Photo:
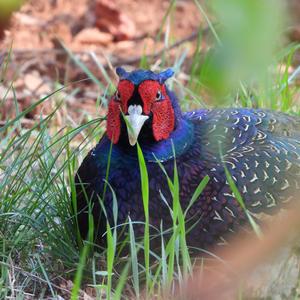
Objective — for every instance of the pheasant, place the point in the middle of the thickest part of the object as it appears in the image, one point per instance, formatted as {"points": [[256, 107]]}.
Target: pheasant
{"points": [[259, 148]]}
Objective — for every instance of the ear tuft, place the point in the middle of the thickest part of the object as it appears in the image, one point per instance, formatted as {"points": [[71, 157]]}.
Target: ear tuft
{"points": [[121, 72], [164, 75]]}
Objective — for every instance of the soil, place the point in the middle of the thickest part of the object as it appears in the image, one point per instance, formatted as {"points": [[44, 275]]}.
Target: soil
{"points": [[117, 32]]}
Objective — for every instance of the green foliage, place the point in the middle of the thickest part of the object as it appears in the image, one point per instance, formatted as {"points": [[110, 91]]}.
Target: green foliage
{"points": [[8, 7], [145, 197]]}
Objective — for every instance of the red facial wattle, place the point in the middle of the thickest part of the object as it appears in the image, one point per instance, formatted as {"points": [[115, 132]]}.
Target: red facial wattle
{"points": [[113, 123], [125, 89], [113, 128], [162, 110]]}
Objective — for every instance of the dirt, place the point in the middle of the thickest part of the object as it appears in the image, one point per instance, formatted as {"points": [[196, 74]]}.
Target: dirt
{"points": [[118, 32]]}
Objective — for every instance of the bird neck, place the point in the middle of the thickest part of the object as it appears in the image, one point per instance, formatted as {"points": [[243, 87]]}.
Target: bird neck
{"points": [[178, 142]]}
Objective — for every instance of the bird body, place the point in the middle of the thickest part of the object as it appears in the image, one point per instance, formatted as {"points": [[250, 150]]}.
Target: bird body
{"points": [[259, 148]]}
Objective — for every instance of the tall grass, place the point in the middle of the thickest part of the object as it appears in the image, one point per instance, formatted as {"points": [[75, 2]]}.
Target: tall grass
{"points": [[40, 244], [36, 223]]}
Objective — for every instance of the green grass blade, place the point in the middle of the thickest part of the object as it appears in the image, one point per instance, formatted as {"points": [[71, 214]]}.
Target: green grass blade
{"points": [[83, 258], [110, 255], [121, 282], [134, 260], [241, 202], [201, 186], [84, 68], [145, 197]]}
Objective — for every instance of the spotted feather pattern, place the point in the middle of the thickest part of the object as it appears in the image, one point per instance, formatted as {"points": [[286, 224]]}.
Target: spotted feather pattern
{"points": [[261, 149]]}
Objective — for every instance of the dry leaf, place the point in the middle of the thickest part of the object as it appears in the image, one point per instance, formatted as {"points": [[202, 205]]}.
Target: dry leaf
{"points": [[93, 36], [33, 81], [110, 19]]}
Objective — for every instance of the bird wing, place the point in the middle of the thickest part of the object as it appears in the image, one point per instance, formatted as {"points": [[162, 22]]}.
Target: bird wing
{"points": [[261, 150]]}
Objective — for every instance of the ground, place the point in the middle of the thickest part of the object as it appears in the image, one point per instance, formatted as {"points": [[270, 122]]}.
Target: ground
{"points": [[39, 30]]}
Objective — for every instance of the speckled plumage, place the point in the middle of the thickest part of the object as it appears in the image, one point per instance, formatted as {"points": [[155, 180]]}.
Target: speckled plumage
{"points": [[260, 148]]}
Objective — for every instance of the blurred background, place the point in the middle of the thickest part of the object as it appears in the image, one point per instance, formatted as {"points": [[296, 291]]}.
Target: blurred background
{"points": [[214, 45], [98, 32]]}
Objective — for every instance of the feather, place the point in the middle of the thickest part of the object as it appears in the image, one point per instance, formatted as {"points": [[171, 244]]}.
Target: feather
{"points": [[260, 149]]}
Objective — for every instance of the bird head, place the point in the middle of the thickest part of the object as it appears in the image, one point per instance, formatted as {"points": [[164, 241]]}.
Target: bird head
{"points": [[141, 101]]}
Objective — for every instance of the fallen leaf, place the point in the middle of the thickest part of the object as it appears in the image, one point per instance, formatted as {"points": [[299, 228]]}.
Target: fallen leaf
{"points": [[110, 19], [33, 80], [93, 36]]}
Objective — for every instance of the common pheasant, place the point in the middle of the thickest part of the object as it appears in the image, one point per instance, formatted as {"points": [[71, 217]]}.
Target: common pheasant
{"points": [[259, 148]]}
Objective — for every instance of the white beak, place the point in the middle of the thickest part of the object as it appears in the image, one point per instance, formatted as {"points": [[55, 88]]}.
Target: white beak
{"points": [[135, 121]]}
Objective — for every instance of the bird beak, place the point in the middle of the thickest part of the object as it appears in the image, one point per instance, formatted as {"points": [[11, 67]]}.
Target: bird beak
{"points": [[135, 121]]}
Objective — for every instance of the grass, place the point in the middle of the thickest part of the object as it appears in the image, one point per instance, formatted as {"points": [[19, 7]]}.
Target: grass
{"points": [[40, 244]]}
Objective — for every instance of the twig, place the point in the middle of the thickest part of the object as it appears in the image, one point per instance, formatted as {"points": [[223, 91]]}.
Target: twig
{"points": [[25, 122], [136, 59], [34, 277], [114, 60]]}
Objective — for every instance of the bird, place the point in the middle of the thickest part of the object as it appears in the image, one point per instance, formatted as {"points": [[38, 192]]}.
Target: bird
{"points": [[258, 148]]}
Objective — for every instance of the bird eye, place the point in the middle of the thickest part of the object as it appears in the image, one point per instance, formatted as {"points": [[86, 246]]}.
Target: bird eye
{"points": [[117, 96], [158, 96]]}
